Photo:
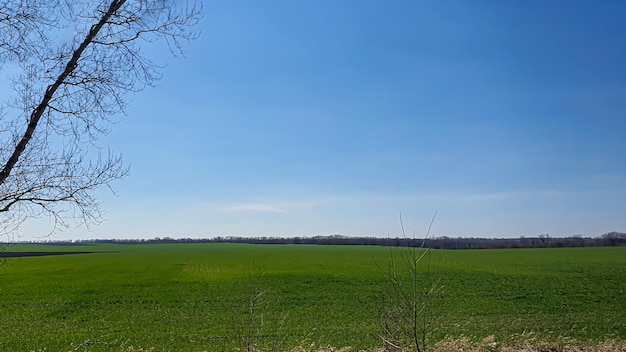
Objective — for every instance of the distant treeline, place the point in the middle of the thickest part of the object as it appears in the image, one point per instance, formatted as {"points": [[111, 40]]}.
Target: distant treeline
{"points": [[543, 241]]}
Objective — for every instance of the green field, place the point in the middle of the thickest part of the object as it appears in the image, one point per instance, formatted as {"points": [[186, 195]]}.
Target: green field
{"points": [[196, 297]]}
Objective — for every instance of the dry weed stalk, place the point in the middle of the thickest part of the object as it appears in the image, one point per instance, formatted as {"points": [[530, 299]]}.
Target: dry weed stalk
{"points": [[405, 306], [260, 331]]}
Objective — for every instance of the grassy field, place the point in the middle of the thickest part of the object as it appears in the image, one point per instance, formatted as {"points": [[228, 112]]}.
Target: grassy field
{"points": [[196, 297]]}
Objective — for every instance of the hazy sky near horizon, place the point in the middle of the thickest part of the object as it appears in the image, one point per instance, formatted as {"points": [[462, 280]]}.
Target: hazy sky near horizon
{"points": [[303, 118]]}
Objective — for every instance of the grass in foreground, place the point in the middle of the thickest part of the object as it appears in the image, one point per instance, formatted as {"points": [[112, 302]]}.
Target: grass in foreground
{"points": [[195, 297]]}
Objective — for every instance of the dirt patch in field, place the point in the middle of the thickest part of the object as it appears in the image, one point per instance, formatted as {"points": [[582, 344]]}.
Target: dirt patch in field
{"points": [[36, 254]]}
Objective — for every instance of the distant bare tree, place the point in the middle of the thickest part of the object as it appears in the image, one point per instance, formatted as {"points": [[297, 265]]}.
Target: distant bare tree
{"points": [[72, 64]]}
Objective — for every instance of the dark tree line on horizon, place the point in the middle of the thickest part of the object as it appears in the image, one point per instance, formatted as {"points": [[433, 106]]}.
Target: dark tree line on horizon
{"points": [[543, 241]]}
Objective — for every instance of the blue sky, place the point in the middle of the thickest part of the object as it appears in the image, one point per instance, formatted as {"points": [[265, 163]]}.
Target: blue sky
{"points": [[302, 118]]}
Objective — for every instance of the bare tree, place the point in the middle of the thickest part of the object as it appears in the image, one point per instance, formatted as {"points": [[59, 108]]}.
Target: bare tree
{"points": [[72, 65]]}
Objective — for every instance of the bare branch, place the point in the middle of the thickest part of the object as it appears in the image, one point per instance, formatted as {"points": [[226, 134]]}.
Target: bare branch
{"points": [[67, 94]]}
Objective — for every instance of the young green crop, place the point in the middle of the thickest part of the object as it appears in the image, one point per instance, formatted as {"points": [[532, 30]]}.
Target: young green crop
{"points": [[195, 297]]}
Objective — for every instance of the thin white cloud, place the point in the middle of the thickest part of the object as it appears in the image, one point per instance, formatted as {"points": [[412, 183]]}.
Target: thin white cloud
{"points": [[463, 197], [259, 207], [290, 206], [278, 206]]}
